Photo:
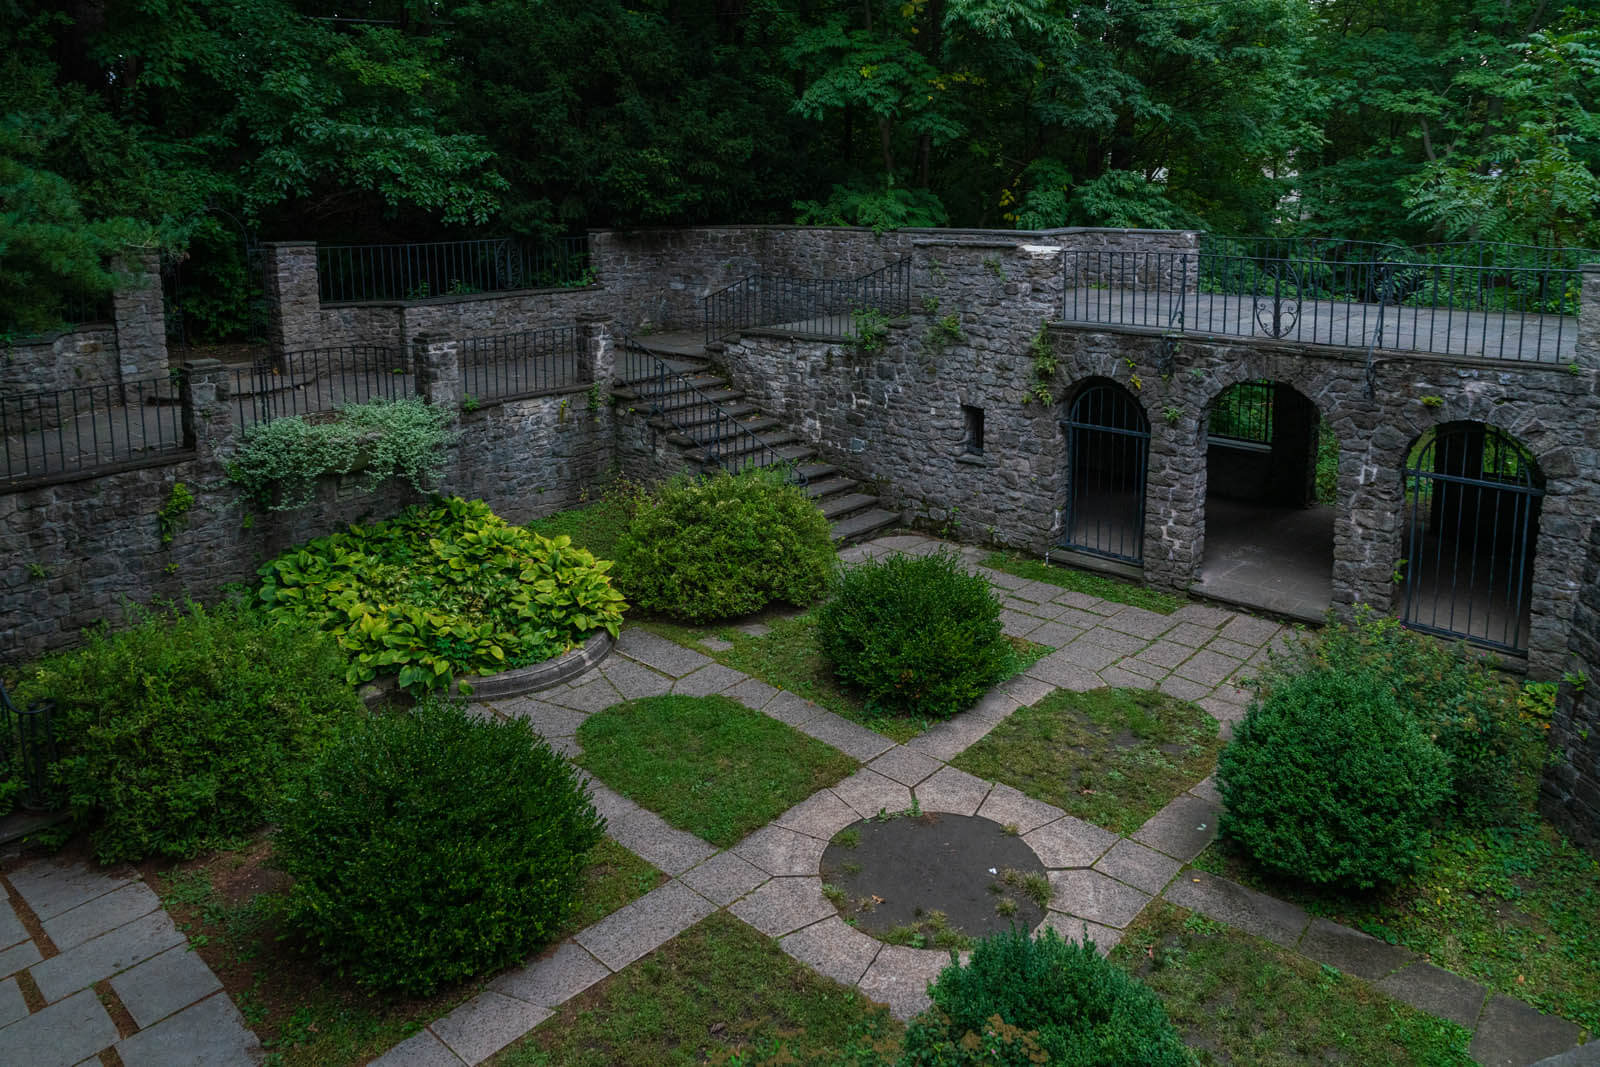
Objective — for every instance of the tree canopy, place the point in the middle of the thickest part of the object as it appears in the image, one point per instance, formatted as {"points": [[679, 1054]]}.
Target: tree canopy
{"points": [[182, 124]]}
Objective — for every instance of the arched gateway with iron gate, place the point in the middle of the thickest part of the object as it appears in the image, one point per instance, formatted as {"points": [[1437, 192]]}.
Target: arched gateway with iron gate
{"points": [[1108, 446]]}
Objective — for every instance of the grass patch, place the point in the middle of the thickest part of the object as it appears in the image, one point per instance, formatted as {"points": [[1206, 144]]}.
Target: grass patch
{"points": [[1238, 999], [1085, 582], [230, 905], [707, 765], [788, 657], [1112, 756], [931, 930], [595, 527], [718, 993]]}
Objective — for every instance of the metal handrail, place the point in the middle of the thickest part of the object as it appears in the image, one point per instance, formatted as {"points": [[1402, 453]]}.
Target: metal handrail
{"points": [[821, 307]]}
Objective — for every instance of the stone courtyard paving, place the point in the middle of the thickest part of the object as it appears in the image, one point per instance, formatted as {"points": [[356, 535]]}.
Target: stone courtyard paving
{"points": [[90, 964], [1101, 880]]}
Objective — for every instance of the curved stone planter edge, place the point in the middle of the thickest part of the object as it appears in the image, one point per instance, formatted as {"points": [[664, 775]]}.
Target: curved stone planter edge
{"points": [[518, 680]]}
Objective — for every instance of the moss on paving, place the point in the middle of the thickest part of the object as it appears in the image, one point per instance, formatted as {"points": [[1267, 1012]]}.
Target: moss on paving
{"points": [[1114, 757], [1238, 999], [708, 765], [1085, 582], [717, 993]]}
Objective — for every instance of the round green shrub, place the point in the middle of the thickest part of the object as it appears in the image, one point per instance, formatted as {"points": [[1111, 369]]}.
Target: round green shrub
{"points": [[915, 633], [1020, 997], [442, 590], [713, 548], [1328, 780], [428, 846], [175, 733]]}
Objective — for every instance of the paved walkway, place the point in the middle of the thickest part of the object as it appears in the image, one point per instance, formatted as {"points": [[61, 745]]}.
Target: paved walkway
{"points": [[1102, 881], [89, 963]]}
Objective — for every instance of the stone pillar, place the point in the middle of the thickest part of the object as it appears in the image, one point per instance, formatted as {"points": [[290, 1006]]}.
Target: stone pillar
{"points": [[293, 301], [437, 362], [599, 352], [206, 392], [1569, 796], [1587, 351], [140, 316]]}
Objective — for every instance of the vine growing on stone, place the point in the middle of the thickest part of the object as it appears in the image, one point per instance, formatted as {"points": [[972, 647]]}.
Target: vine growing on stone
{"points": [[1045, 365]]}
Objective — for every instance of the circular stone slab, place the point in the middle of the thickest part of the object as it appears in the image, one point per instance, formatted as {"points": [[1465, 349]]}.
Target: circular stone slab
{"points": [[893, 874]]}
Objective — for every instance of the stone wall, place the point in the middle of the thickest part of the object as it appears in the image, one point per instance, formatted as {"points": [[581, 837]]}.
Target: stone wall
{"points": [[1570, 795], [131, 347], [475, 315], [895, 416]]}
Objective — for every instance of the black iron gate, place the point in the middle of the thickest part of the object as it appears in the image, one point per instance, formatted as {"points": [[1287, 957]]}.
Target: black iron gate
{"points": [[1108, 444], [1473, 496]]}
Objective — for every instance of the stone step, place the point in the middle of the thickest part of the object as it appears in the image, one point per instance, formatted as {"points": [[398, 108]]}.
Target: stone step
{"points": [[841, 506], [818, 472], [828, 484], [863, 524]]}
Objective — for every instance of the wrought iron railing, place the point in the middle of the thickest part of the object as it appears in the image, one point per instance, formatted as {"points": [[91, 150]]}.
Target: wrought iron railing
{"points": [[722, 439], [352, 273], [520, 364], [814, 306], [318, 380], [88, 427], [71, 310], [1492, 312]]}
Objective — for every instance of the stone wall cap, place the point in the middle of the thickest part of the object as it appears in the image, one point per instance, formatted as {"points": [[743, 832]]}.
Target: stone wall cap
{"points": [[288, 244], [201, 364]]}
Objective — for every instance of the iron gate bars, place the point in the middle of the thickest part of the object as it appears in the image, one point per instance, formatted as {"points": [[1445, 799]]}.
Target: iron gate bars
{"points": [[1243, 413], [352, 273], [1108, 445], [1473, 496]]}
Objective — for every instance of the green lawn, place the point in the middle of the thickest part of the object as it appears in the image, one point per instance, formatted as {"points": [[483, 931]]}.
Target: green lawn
{"points": [[1085, 582], [1238, 999], [230, 905], [595, 527], [788, 657], [1114, 757], [717, 993], [707, 765]]}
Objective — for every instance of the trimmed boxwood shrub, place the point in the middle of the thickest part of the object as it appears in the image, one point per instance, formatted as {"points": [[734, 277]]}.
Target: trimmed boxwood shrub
{"points": [[428, 846], [175, 733], [915, 633], [1019, 1000], [714, 548], [1468, 709], [446, 589], [1328, 780]]}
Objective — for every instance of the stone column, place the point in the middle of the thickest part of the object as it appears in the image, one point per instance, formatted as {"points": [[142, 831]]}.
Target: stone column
{"points": [[1570, 793], [599, 351], [140, 316], [1587, 351], [293, 301], [437, 362], [206, 392]]}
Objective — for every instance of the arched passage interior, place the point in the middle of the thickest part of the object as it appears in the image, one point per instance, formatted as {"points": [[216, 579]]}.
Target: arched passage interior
{"points": [[1473, 496], [1108, 448], [1268, 529]]}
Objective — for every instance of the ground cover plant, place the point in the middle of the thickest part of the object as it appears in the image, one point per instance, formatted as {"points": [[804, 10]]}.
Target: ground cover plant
{"points": [[1113, 757], [443, 590], [723, 546], [176, 732], [595, 527], [231, 905], [915, 634], [1239, 999], [708, 765], [428, 846], [1022, 999], [718, 993], [1085, 582]]}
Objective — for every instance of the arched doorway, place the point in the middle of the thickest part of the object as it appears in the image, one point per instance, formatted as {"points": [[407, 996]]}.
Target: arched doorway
{"points": [[1268, 529], [1472, 501], [1108, 446]]}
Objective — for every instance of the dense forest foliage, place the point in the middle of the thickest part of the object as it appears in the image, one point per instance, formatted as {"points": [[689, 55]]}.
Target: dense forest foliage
{"points": [[194, 124]]}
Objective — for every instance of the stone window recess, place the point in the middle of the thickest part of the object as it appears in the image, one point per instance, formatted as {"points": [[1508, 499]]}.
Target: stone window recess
{"points": [[972, 424]]}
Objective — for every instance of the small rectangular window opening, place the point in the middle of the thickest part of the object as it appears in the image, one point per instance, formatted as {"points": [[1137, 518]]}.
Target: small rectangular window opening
{"points": [[972, 421]]}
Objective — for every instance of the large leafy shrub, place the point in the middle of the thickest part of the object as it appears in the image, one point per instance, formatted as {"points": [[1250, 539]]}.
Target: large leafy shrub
{"points": [[711, 548], [1022, 1000], [176, 732], [1462, 703], [1329, 780], [915, 633], [427, 846], [444, 589], [278, 462]]}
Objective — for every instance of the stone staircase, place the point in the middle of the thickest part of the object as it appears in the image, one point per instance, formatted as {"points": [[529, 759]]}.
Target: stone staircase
{"points": [[697, 404]]}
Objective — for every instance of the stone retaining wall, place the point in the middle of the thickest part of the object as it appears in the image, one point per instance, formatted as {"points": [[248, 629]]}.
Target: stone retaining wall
{"points": [[1570, 796]]}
